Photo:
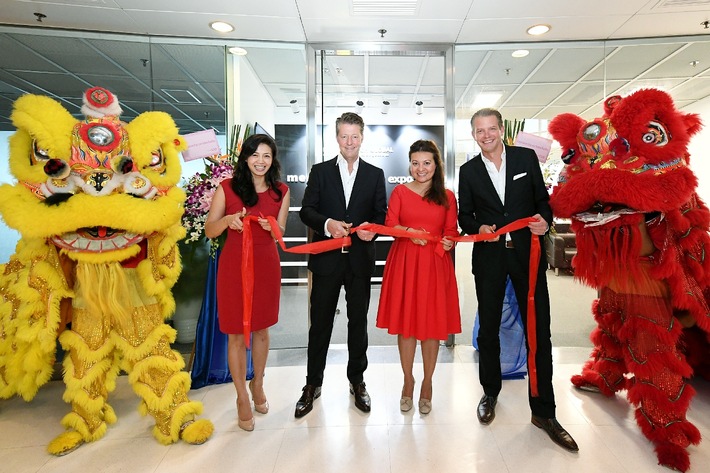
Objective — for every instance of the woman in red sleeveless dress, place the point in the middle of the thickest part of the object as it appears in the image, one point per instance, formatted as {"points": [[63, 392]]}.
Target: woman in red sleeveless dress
{"points": [[254, 190], [419, 297]]}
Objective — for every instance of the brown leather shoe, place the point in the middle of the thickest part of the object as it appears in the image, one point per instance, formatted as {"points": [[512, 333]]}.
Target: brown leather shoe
{"points": [[487, 409], [556, 432], [362, 399], [305, 403]]}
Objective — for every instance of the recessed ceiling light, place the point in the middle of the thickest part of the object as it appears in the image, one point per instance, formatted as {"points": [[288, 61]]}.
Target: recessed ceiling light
{"points": [[221, 26], [537, 30], [486, 99], [520, 53], [237, 51]]}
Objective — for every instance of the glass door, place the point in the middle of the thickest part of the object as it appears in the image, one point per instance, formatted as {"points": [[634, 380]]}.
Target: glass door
{"points": [[400, 92]]}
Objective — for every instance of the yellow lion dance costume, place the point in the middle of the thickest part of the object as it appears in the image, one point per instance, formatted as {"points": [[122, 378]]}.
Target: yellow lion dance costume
{"points": [[99, 212]]}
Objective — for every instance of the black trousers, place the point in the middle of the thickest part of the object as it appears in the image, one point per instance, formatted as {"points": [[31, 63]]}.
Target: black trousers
{"points": [[325, 290], [490, 291]]}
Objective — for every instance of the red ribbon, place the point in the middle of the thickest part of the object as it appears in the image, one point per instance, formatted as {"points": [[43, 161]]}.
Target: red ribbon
{"points": [[248, 262], [339, 243]]}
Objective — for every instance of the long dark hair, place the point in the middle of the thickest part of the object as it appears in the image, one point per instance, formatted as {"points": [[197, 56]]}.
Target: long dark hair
{"points": [[437, 191], [243, 181]]}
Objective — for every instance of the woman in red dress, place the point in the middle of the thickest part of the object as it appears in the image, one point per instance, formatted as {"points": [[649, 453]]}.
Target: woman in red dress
{"points": [[419, 298], [254, 190]]}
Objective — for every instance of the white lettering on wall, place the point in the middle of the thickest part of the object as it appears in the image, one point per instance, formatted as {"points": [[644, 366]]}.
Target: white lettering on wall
{"points": [[376, 153], [296, 178], [399, 179]]}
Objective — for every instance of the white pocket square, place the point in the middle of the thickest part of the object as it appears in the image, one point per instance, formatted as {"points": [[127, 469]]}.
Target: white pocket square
{"points": [[518, 176]]}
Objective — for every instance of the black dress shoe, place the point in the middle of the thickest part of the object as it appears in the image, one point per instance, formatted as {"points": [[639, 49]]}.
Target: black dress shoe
{"points": [[556, 432], [362, 399], [486, 411], [305, 403]]}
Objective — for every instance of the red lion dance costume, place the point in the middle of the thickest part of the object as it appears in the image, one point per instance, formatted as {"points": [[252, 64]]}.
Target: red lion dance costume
{"points": [[642, 240]]}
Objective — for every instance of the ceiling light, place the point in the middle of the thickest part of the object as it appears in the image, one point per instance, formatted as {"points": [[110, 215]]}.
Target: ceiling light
{"points": [[237, 51], [694, 63], [294, 106], [221, 26], [520, 53], [419, 107], [359, 105], [486, 100], [537, 30], [385, 107]]}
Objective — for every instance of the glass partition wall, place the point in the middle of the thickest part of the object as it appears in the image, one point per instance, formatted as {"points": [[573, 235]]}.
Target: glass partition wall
{"points": [[400, 91], [295, 91]]}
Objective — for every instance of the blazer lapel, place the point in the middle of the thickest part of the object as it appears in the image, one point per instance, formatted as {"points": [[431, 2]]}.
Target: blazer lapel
{"points": [[486, 179], [360, 179], [511, 169], [334, 176]]}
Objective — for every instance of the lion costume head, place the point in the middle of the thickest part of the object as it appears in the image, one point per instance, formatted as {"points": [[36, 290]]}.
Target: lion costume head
{"points": [[92, 193]]}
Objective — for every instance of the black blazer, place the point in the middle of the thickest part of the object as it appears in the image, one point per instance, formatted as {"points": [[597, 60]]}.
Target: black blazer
{"points": [[479, 204], [324, 198]]}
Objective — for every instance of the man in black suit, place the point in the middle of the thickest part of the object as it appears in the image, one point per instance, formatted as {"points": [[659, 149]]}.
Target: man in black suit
{"points": [[341, 193], [498, 186]]}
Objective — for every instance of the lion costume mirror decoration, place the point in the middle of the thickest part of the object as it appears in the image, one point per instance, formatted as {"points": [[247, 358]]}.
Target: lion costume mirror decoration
{"points": [[642, 242], [98, 211]]}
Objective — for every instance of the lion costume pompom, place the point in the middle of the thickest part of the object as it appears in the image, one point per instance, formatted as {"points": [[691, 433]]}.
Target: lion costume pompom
{"points": [[642, 242], [98, 211]]}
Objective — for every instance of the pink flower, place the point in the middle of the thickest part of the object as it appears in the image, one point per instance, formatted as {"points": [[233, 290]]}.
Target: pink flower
{"points": [[200, 189]]}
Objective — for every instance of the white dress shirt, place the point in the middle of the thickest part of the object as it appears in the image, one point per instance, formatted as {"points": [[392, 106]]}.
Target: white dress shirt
{"points": [[497, 178], [348, 180], [497, 175]]}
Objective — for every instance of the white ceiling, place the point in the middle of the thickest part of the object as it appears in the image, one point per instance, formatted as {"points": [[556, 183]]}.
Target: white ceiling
{"points": [[169, 73], [441, 21]]}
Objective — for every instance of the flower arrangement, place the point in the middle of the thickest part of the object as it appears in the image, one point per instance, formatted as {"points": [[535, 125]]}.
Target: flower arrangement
{"points": [[200, 189]]}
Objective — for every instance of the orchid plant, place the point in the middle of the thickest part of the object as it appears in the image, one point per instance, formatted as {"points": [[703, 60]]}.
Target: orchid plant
{"points": [[200, 189]]}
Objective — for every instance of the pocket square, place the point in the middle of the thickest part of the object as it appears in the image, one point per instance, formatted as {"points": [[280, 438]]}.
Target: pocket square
{"points": [[518, 176]]}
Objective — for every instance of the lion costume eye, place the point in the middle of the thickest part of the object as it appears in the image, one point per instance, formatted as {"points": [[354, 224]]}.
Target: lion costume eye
{"points": [[39, 155], [656, 135], [157, 161], [593, 131]]}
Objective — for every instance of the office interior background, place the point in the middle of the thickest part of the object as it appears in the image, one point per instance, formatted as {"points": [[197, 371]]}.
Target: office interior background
{"points": [[414, 66]]}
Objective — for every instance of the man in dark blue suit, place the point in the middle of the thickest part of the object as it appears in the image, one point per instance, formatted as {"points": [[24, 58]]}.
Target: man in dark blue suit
{"points": [[498, 186], [341, 193]]}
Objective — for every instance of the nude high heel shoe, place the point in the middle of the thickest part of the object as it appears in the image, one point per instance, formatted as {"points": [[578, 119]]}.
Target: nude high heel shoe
{"points": [[248, 424], [424, 406], [260, 408], [406, 402]]}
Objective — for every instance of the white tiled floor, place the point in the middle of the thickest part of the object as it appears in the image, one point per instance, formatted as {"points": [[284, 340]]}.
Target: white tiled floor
{"points": [[336, 437]]}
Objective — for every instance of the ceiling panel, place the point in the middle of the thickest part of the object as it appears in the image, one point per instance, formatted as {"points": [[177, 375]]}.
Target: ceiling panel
{"points": [[671, 23], [696, 89], [551, 8], [382, 70], [693, 60], [513, 28], [580, 94], [557, 75], [568, 64], [538, 95], [633, 60]]}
